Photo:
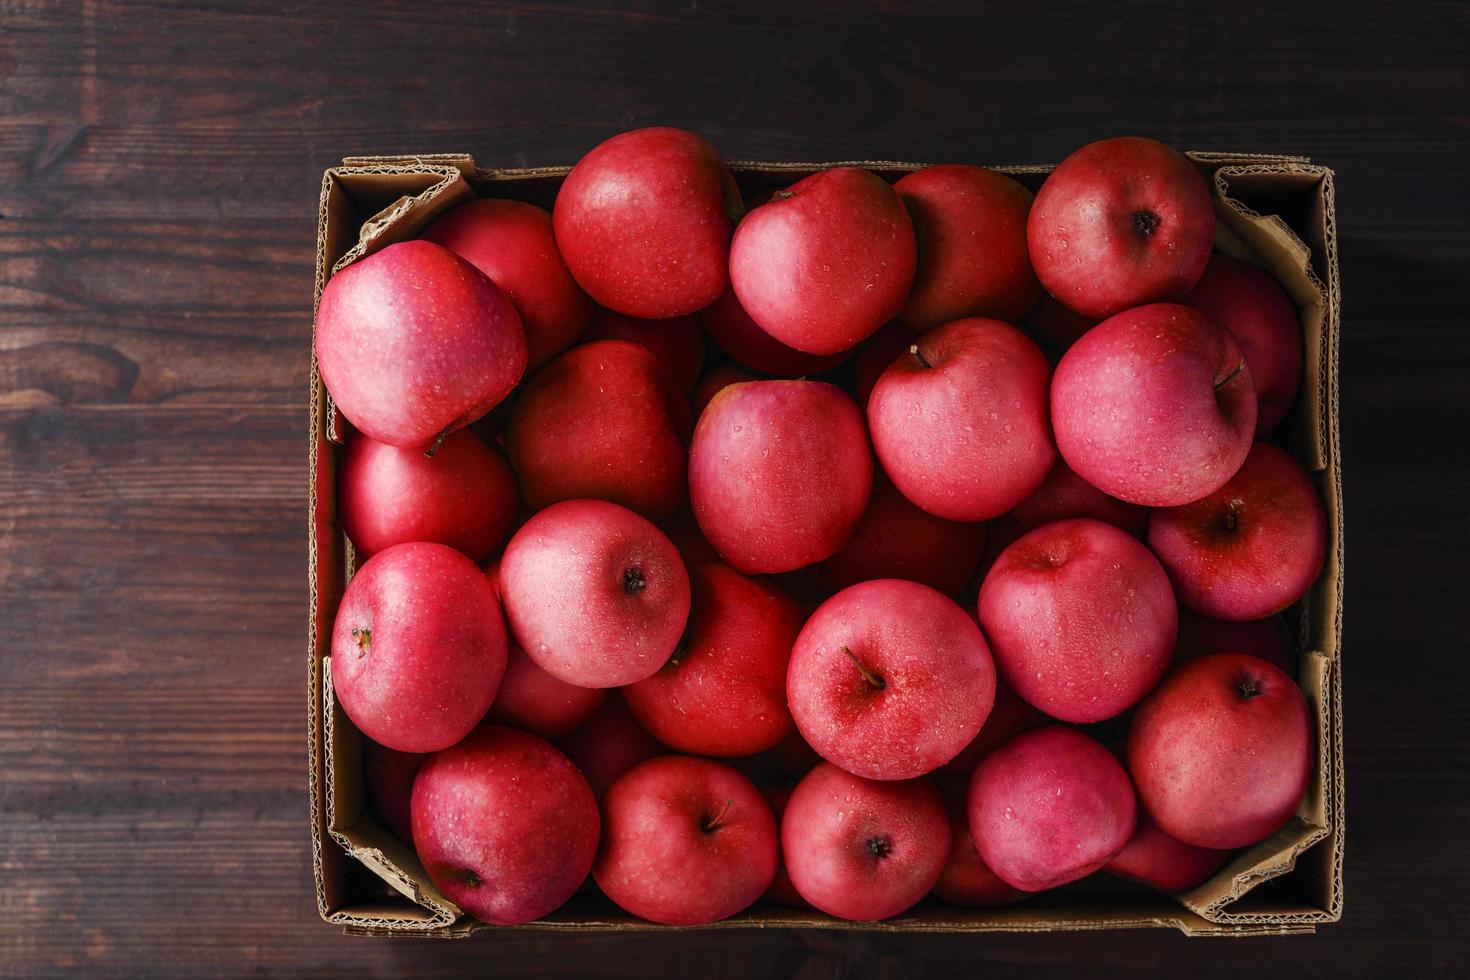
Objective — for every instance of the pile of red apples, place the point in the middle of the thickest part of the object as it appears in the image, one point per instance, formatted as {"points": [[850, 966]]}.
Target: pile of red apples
{"points": [[837, 546]]}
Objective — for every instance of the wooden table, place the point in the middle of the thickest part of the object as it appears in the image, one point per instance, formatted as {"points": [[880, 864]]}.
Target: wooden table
{"points": [[159, 167]]}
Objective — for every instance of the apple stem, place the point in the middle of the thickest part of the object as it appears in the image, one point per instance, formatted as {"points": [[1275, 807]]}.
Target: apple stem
{"points": [[439, 441], [868, 675], [914, 350], [1229, 377], [710, 825], [364, 637], [781, 195]]}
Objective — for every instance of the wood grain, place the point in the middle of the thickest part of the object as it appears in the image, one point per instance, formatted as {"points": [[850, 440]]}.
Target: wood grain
{"points": [[159, 167]]}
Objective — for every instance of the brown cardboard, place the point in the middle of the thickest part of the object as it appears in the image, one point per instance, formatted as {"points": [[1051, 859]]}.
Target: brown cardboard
{"points": [[1277, 211]]}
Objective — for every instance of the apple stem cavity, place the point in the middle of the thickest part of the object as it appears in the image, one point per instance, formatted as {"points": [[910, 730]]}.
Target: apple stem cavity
{"points": [[469, 878], [364, 638], [633, 581], [709, 825], [1229, 377], [1144, 222], [880, 847], [923, 362], [868, 675], [1250, 687]]}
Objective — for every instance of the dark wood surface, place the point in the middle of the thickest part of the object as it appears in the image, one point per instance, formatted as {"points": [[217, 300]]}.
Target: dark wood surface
{"points": [[159, 167]]}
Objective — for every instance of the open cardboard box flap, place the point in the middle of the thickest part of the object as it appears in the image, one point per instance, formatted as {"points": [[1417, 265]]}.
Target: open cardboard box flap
{"points": [[1277, 211]]}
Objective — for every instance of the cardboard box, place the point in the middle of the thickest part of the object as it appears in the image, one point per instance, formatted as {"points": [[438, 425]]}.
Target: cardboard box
{"points": [[1275, 210]]}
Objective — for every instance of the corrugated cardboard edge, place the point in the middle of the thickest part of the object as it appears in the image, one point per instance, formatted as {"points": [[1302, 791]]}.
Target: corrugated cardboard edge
{"points": [[1206, 910]]}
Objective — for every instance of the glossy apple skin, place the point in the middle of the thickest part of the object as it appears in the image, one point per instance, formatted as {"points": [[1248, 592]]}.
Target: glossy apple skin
{"points": [[1064, 494], [1048, 807], [1222, 752], [686, 841], [826, 262], [512, 243], [505, 825], [860, 849], [463, 496], [596, 595], [531, 699], [644, 222], [1251, 548], [967, 880], [1264, 322], [735, 333], [413, 341], [970, 226], [389, 776], [1155, 859], [779, 473], [609, 744], [966, 438], [418, 648], [878, 351], [1057, 328], [937, 680], [1269, 639], [678, 343], [604, 420], [1081, 619], [782, 891], [1155, 405], [714, 381], [723, 693], [896, 539], [1119, 223], [1009, 716]]}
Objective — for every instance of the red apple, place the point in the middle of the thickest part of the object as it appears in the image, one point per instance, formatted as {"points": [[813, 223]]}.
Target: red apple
{"points": [[714, 381], [1269, 639], [779, 473], [1081, 619], [1264, 322], [1251, 548], [389, 776], [1155, 859], [609, 744], [1049, 807], [685, 841], [970, 224], [1057, 328], [644, 221], [505, 825], [895, 539], [595, 594], [414, 342], [1009, 717], [512, 243], [827, 262], [1065, 494], [678, 343], [463, 496], [967, 880], [1155, 406], [603, 420], [735, 333], [890, 679], [782, 891], [860, 849], [723, 692], [891, 341], [418, 648], [534, 700], [1222, 752], [1119, 223], [960, 425]]}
